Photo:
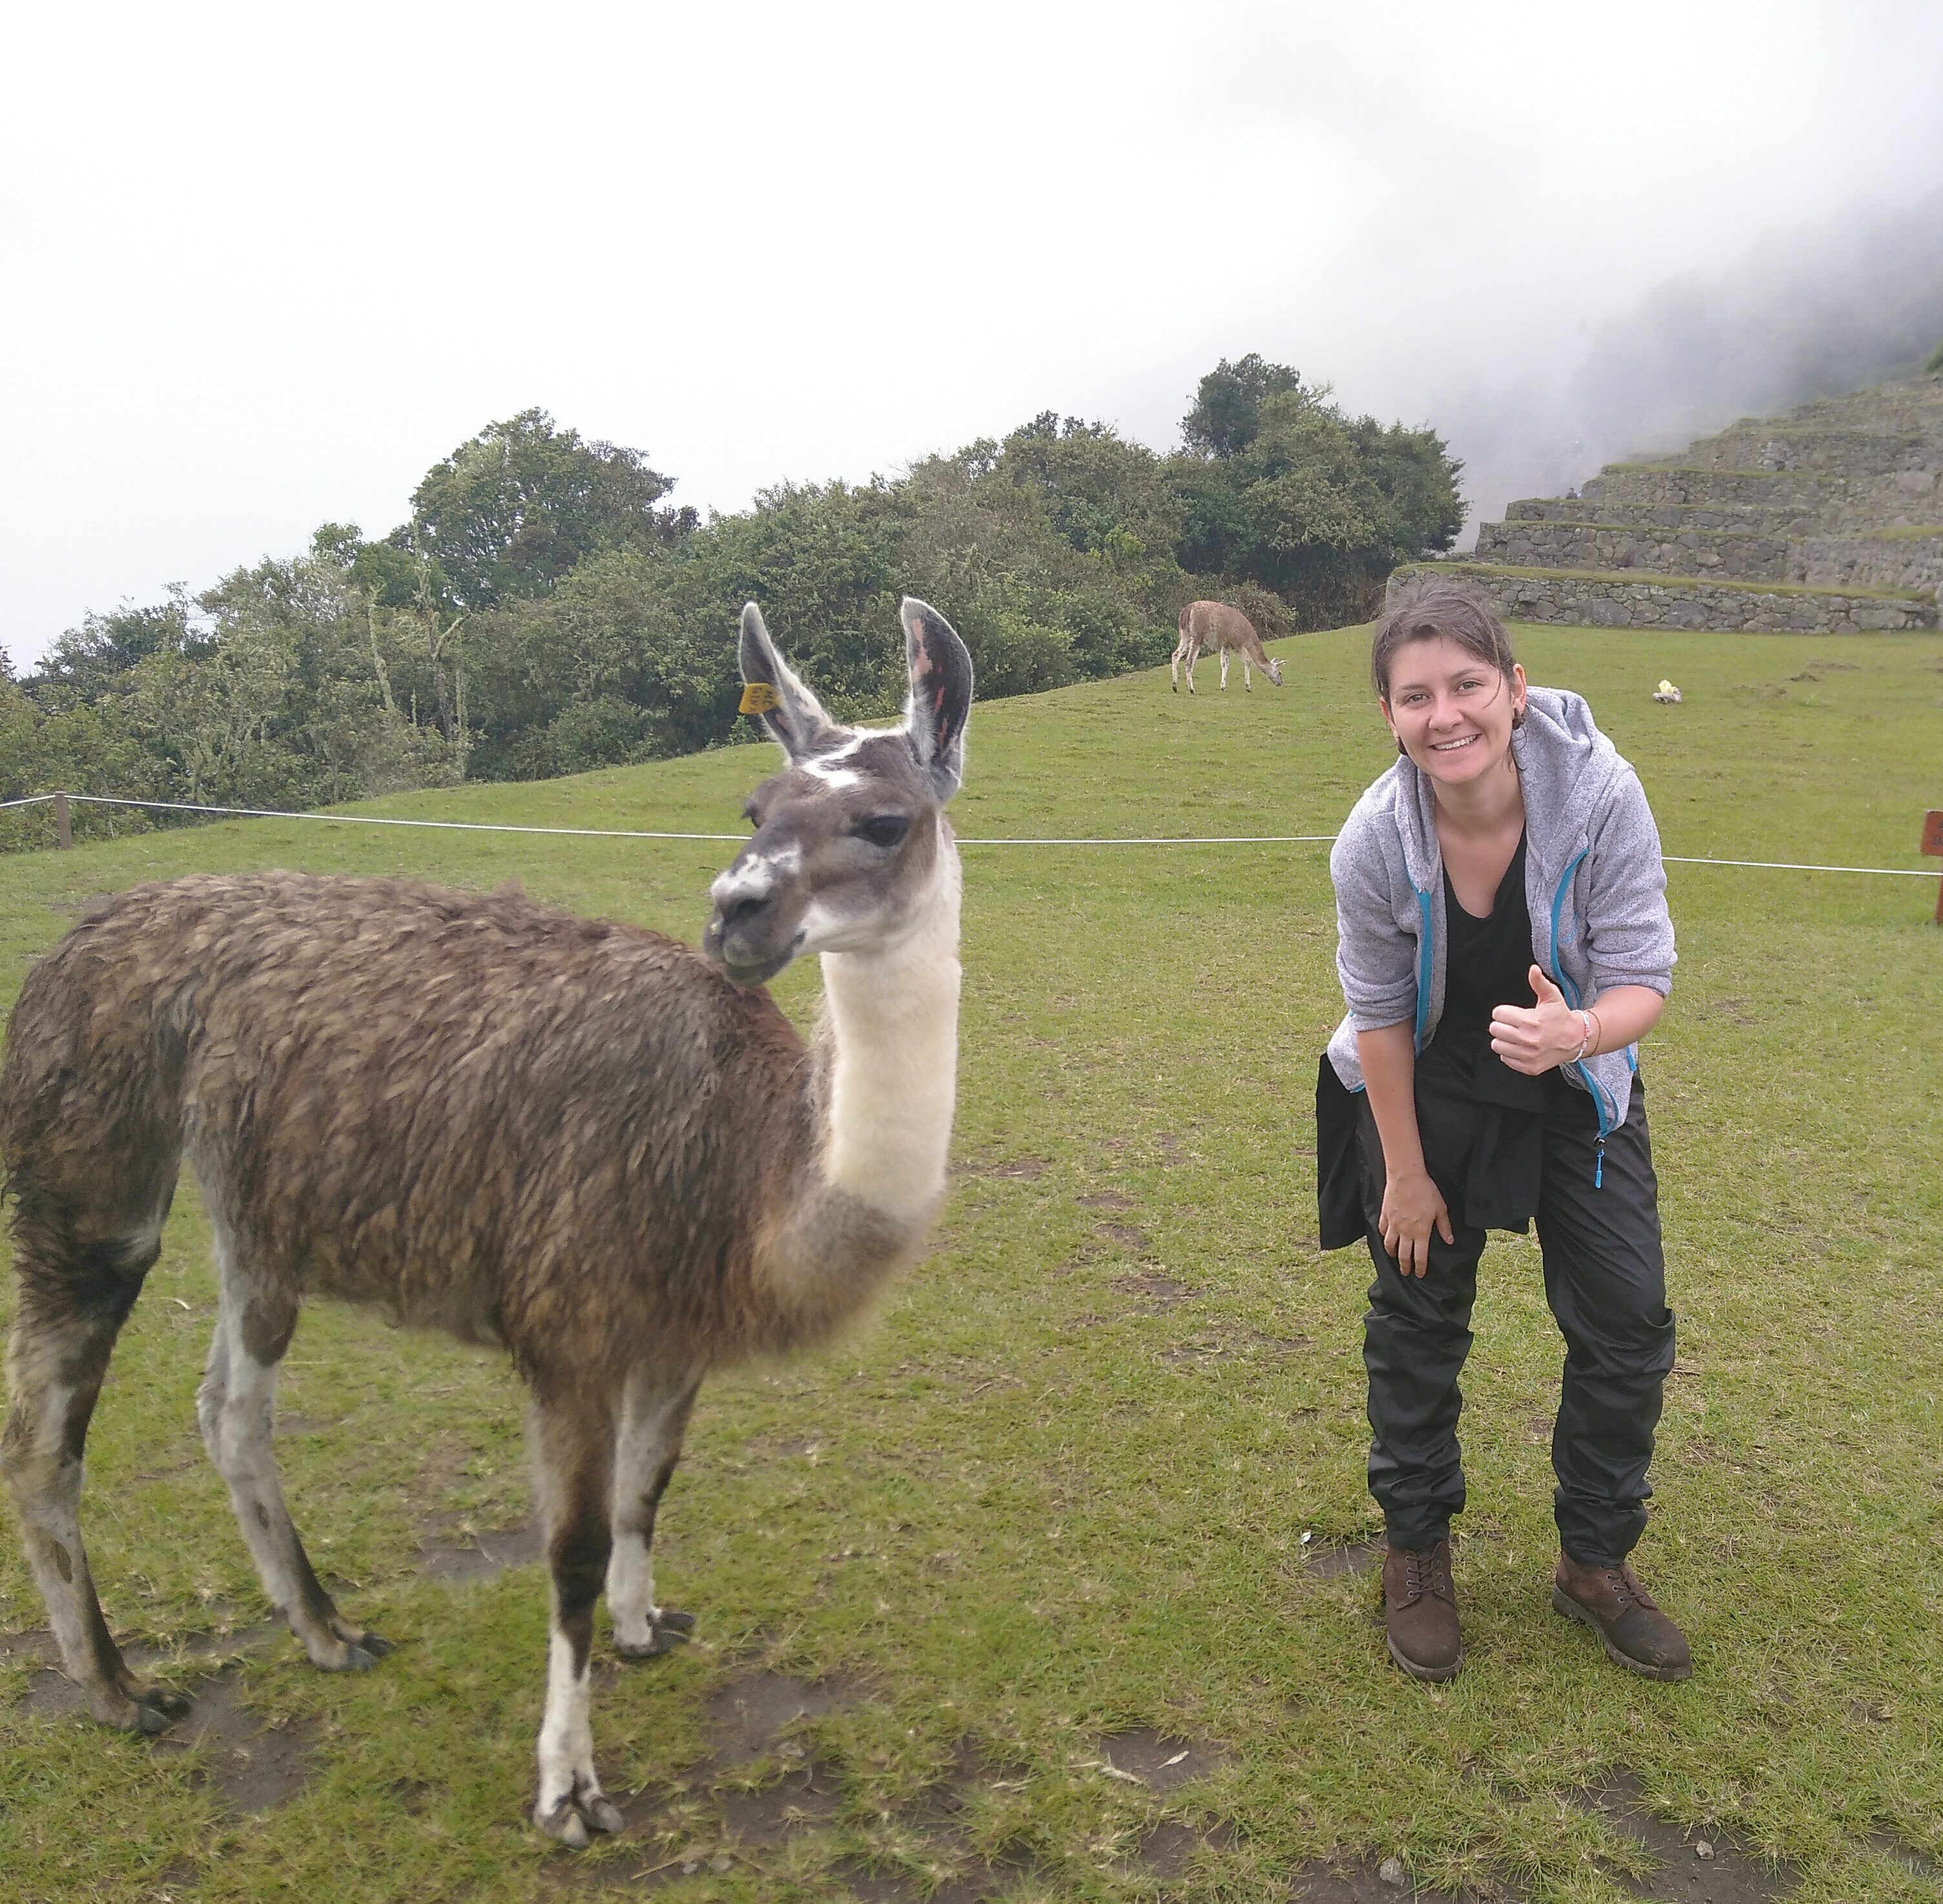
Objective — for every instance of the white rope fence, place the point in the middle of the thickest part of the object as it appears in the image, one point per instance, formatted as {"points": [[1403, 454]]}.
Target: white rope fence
{"points": [[630, 833]]}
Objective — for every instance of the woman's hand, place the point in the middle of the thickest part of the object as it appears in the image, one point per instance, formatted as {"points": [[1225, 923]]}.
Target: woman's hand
{"points": [[1549, 1034], [1412, 1209]]}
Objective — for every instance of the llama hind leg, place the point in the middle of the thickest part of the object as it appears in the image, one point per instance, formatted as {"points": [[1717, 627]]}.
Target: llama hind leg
{"points": [[573, 1439], [74, 1297], [235, 1407], [654, 1417]]}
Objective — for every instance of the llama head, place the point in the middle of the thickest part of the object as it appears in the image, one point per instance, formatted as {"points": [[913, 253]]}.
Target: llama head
{"points": [[1274, 667], [851, 841]]}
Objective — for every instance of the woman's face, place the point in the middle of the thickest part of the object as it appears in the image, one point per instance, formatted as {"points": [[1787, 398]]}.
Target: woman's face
{"points": [[1452, 712]]}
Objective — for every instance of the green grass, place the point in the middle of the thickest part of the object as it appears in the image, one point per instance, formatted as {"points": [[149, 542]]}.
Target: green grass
{"points": [[1024, 1511]]}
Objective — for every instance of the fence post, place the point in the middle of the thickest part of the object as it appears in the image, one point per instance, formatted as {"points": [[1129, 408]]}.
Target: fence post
{"points": [[1933, 845], [64, 833]]}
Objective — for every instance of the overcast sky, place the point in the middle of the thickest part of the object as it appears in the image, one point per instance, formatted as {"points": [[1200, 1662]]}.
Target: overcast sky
{"points": [[260, 267]]}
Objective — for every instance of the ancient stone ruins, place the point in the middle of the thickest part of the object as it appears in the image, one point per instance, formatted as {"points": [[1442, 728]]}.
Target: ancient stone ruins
{"points": [[1828, 520]]}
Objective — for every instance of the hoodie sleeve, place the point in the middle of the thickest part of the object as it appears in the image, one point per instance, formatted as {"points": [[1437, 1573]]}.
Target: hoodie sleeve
{"points": [[1375, 959], [1628, 932]]}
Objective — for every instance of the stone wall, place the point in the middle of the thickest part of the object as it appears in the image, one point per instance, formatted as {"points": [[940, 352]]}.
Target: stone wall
{"points": [[1826, 521], [1704, 552], [1750, 517], [1669, 483], [1848, 453], [1623, 602], [1869, 561]]}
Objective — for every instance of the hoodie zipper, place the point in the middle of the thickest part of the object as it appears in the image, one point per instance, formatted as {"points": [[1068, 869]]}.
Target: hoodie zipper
{"points": [[1423, 970], [1601, 1103]]}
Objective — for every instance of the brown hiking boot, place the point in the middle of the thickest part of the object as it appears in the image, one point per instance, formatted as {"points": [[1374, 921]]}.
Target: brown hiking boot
{"points": [[1611, 1601], [1420, 1611]]}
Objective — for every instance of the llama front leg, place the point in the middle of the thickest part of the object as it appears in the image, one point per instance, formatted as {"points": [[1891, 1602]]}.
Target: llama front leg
{"points": [[573, 1437], [235, 1407], [654, 1417], [1224, 670]]}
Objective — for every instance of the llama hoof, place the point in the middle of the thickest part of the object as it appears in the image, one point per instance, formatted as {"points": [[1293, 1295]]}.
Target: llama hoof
{"points": [[132, 1705], [157, 1710], [574, 1820], [346, 1655], [667, 1630]]}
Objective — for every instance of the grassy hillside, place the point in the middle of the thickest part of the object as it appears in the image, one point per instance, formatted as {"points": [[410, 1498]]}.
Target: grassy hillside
{"points": [[1087, 1494]]}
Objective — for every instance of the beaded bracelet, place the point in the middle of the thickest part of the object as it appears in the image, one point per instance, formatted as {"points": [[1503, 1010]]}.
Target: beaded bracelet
{"points": [[1585, 1019]]}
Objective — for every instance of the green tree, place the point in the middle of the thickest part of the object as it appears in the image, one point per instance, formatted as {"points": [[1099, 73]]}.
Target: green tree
{"points": [[1277, 487], [511, 510], [1227, 413]]}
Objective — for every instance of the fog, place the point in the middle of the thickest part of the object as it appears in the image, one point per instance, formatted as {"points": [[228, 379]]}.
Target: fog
{"points": [[259, 269], [1812, 313]]}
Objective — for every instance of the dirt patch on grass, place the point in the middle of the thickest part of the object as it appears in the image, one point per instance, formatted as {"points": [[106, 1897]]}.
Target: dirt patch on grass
{"points": [[1697, 1864], [1106, 1200], [1167, 1851], [1123, 1236], [745, 1717], [1162, 1764], [1020, 1169], [1335, 1560], [1154, 1294], [255, 1764], [1386, 1883], [723, 1812], [447, 1552], [1228, 1345]]}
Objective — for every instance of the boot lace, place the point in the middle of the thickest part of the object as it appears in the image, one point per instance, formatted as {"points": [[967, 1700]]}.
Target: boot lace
{"points": [[1427, 1572], [1627, 1589]]}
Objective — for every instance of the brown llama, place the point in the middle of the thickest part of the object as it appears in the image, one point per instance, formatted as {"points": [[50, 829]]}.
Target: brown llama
{"points": [[1216, 625], [594, 1145]]}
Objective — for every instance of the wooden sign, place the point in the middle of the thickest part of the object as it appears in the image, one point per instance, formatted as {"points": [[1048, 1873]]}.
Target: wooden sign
{"points": [[1932, 845]]}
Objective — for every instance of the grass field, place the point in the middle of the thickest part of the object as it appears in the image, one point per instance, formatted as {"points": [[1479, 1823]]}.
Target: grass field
{"points": [[1087, 1495]]}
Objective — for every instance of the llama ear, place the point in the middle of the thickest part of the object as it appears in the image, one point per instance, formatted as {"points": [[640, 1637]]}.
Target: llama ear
{"points": [[941, 695], [793, 716]]}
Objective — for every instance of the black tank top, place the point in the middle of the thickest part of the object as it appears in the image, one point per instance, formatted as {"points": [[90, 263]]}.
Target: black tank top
{"points": [[1488, 961]]}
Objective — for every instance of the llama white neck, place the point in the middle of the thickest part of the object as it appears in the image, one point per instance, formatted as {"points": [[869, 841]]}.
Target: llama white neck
{"points": [[893, 1017]]}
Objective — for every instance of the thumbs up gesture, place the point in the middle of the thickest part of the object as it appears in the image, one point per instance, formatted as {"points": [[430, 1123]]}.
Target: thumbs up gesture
{"points": [[1549, 1033]]}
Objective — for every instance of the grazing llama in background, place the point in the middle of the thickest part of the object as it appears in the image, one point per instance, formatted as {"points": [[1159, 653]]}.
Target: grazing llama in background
{"points": [[1216, 625], [582, 1141]]}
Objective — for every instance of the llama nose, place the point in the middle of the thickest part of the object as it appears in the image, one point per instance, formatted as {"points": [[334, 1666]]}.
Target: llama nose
{"points": [[744, 909]]}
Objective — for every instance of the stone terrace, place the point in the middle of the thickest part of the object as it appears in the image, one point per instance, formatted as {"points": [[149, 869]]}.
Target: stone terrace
{"points": [[1828, 520]]}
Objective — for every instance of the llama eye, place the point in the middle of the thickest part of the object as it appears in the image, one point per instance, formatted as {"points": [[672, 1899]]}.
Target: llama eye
{"points": [[884, 830]]}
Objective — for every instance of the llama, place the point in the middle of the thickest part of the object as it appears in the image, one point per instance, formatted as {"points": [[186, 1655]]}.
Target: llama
{"points": [[592, 1145], [1214, 624]]}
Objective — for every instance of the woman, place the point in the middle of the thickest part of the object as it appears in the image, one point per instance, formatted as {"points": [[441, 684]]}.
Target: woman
{"points": [[1503, 944]]}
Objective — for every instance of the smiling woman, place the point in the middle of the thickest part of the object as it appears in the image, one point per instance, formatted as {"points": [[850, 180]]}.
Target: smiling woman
{"points": [[1503, 943]]}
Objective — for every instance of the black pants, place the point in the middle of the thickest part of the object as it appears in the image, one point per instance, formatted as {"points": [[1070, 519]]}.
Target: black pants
{"points": [[1605, 1279]]}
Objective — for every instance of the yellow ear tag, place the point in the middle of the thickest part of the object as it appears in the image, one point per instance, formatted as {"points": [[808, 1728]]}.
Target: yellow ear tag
{"points": [[759, 698]]}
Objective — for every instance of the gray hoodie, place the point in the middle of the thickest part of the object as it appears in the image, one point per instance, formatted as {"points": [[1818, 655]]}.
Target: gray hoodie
{"points": [[1593, 883]]}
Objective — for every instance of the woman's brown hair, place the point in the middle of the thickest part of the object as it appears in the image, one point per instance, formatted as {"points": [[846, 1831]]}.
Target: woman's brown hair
{"points": [[1458, 611]]}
